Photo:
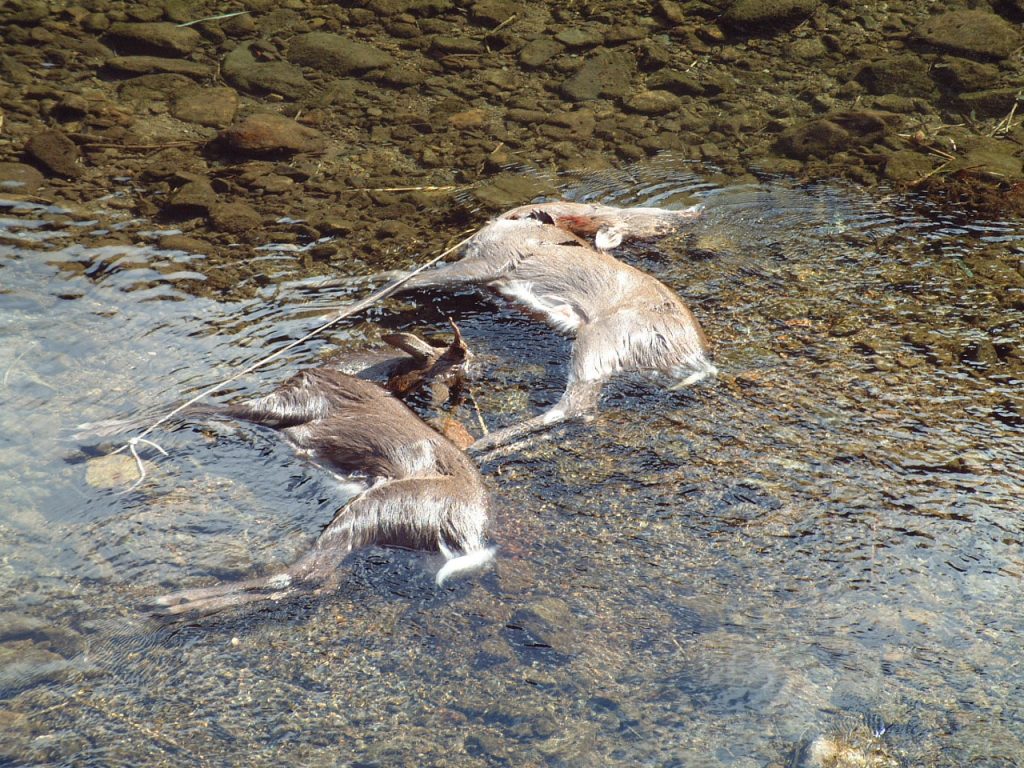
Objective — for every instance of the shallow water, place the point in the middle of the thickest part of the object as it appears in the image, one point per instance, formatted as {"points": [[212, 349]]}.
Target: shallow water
{"points": [[825, 543]]}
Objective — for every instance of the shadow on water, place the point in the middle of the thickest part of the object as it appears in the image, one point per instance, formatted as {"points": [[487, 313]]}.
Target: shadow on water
{"points": [[815, 559]]}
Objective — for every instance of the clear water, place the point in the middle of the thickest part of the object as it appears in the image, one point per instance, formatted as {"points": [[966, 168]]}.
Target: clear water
{"points": [[823, 547]]}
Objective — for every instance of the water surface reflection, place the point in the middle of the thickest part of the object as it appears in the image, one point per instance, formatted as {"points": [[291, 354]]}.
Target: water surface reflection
{"points": [[821, 548]]}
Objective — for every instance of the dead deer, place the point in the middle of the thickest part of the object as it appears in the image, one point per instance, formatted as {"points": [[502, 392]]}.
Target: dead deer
{"points": [[623, 320], [414, 488]]}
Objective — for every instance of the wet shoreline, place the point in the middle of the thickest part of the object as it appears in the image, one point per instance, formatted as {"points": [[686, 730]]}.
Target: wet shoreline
{"points": [[356, 132]]}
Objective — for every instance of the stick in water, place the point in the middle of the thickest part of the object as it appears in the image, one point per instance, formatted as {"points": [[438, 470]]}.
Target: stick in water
{"points": [[338, 316]]}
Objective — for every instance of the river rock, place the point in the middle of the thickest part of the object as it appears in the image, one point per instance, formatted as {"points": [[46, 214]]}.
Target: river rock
{"points": [[756, 15], [266, 132], [19, 178], [15, 626], [236, 217], [335, 54], [973, 33], [994, 102], [508, 190], [679, 83], [538, 52], [905, 75], [145, 65], [56, 153], [652, 102], [959, 74], [443, 45], [156, 37], [836, 132], [903, 167], [244, 71], [493, 12], [604, 74], [194, 194], [993, 156], [25, 664], [580, 37], [214, 107], [116, 470]]}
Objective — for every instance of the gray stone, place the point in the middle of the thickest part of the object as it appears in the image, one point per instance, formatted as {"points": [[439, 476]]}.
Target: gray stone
{"points": [[509, 190], [994, 102], [493, 12], [155, 37], [905, 75], [903, 167], [757, 15], [959, 74], [335, 54], [236, 218], [265, 133], [19, 178], [679, 83], [214, 107], [993, 156], [445, 44], [55, 152], [537, 52], [580, 37], [116, 470], [25, 664], [244, 71], [836, 132], [194, 195], [145, 65], [974, 33], [604, 74], [652, 102]]}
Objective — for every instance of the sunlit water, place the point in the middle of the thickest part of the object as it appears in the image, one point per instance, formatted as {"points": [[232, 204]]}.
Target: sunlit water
{"points": [[825, 543]]}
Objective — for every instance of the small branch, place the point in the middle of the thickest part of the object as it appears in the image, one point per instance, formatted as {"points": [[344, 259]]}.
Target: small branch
{"points": [[339, 315], [447, 188], [213, 18], [141, 147]]}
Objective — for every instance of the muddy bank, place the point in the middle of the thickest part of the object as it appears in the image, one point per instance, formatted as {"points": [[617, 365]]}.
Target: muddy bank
{"points": [[380, 124]]}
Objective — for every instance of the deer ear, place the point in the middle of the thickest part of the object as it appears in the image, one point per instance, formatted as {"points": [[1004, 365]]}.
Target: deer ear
{"points": [[608, 238]]}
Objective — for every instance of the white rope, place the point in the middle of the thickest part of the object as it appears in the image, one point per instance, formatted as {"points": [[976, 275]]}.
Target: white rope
{"points": [[130, 445], [340, 315]]}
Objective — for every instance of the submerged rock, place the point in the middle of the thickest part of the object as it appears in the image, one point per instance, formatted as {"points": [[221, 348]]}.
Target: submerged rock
{"points": [[538, 52], [757, 15], [605, 74], [242, 69], [19, 178], [116, 470], [267, 132], [145, 65], [836, 132], [195, 194], [154, 37], [335, 54], [235, 217], [55, 152], [214, 107], [975, 33], [652, 102]]}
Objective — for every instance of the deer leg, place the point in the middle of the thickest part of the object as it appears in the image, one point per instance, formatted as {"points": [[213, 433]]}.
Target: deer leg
{"points": [[414, 513], [579, 401]]}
